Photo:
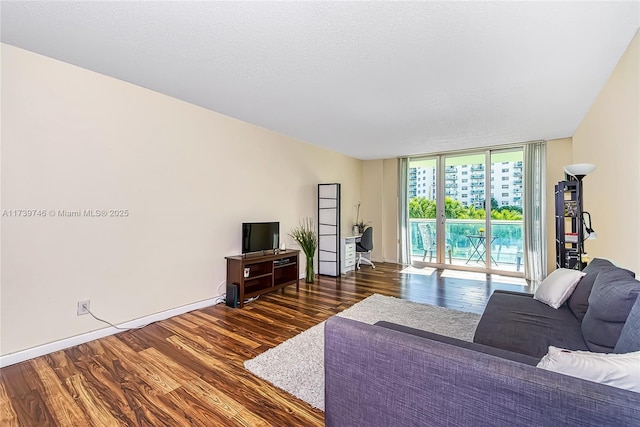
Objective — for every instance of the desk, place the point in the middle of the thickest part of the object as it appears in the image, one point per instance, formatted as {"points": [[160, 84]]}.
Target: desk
{"points": [[478, 248], [349, 252]]}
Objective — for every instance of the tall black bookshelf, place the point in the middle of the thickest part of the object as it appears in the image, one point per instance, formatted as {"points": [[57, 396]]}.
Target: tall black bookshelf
{"points": [[569, 225], [329, 229]]}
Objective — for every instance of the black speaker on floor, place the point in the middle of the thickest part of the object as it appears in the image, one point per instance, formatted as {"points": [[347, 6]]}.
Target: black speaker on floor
{"points": [[232, 295]]}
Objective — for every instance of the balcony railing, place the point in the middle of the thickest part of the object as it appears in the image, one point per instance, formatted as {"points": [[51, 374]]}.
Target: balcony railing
{"points": [[506, 248]]}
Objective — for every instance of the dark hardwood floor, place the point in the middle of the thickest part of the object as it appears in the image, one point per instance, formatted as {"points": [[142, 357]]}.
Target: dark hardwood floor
{"points": [[188, 370]]}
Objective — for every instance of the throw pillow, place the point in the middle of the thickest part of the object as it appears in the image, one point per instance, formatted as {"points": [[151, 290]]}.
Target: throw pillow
{"points": [[578, 302], [630, 336], [597, 264], [556, 288], [614, 293], [617, 370]]}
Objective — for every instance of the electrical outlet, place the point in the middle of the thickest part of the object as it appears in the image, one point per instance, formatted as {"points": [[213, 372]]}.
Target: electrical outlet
{"points": [[83, 307]]}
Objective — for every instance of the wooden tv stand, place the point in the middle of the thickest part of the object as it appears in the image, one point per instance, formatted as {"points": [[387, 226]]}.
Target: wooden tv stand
{"points": [[266, 272]]}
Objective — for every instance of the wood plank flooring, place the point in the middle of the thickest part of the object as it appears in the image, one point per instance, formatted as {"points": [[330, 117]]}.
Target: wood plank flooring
{"points": [[188, 370]]}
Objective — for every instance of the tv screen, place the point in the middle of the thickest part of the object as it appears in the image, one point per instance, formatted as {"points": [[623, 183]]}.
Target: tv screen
{"points": [[260, 236]]}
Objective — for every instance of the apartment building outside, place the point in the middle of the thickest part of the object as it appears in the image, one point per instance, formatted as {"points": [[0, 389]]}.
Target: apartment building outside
{"points": [[466, 183]]}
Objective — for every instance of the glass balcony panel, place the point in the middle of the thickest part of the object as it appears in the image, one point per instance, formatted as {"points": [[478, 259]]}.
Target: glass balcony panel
{"points": [[506, 248]]}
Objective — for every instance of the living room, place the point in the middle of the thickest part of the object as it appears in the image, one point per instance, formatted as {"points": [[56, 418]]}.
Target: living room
{"points": [[177, 180]]}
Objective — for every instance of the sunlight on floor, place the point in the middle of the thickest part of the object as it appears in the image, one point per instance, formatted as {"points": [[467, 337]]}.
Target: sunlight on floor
{"points": [[482, 277], [468, 275], [424, 271]]}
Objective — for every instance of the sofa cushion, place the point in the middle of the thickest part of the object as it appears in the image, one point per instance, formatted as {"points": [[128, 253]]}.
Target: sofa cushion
{"points": [[630, 335], [516, 322], [617, 370], [598, 264], [556, 288], [614, 293], [578, 302], [498, 352]]}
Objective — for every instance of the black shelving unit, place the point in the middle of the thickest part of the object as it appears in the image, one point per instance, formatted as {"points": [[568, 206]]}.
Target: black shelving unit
{"points": [[329, 229], [569, 225]]}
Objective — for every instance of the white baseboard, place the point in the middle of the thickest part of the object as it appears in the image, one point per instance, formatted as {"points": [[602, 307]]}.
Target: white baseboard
{"points": [[21, 356]]}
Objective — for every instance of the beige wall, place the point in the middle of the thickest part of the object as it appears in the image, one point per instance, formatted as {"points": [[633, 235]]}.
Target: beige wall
{"points": [[372, 203], [609, 136], [73, 139], [380, 206]]}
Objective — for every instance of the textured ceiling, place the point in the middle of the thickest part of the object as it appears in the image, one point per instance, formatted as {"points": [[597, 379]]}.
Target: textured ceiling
{"points": [[369, 79]]}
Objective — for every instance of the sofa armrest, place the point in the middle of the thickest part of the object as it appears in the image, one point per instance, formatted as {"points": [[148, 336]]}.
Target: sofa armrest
{"points": [[503, 291], [376, 376]]}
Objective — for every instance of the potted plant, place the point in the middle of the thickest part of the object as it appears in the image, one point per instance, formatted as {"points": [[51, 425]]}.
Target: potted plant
{"points": [[359, 226], [481, 231], [305, 235]]}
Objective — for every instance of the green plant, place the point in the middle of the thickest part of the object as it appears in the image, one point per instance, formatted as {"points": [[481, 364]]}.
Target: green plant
{"points": [[421, 207], [306, 237]]}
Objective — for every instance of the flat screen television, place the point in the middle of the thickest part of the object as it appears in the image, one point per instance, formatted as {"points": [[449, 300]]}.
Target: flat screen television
{"points": [[260, 236]]}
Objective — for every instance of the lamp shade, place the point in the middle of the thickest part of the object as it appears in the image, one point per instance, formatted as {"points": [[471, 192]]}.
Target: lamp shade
{"points": [[579, 169]]}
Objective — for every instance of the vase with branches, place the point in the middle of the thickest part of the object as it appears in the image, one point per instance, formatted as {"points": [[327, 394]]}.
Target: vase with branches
{"points": [[361, 225], [306, 237]]}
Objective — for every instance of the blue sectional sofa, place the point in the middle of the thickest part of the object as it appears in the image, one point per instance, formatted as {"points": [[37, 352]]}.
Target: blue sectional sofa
{"points": [[391, 375]]}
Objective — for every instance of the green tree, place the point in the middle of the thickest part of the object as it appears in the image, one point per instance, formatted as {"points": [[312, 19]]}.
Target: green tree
{"points": [[421, 207], [494, 203]]}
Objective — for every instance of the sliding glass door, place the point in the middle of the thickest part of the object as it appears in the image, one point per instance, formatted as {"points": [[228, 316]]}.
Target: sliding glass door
{"points": [[453, 224], [465, 178], [423, 196], [506, 225]]}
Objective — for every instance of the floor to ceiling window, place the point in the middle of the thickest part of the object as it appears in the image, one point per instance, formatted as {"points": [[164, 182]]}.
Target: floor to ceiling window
{"points": [[451, 221]]}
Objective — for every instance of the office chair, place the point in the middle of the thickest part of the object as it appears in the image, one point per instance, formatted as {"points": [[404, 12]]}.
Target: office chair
{"points": [[364, 246]]}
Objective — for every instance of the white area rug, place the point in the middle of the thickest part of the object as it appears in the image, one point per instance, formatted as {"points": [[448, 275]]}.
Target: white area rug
{"points": [[297, 365]]}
